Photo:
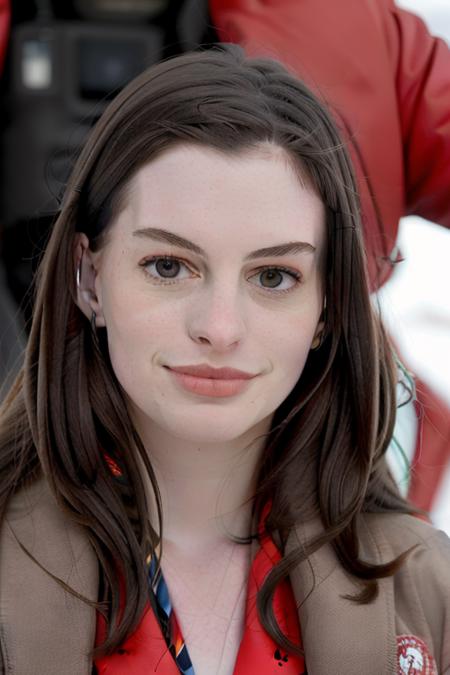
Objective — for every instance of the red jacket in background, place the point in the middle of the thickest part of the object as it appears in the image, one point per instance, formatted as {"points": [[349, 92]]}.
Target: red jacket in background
{"points": [[387, 81]]}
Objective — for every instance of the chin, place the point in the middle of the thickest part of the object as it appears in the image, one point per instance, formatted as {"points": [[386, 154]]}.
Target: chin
{"points": [[214, 430], [195, 425], [200, 421]]}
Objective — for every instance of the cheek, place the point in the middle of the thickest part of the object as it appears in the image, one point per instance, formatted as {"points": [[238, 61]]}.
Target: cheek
{"points": [[136, 331], [288, 348], [292, 362]]}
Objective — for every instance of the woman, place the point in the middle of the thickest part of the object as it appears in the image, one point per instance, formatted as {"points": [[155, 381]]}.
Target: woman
{"points": [[192, 463]]}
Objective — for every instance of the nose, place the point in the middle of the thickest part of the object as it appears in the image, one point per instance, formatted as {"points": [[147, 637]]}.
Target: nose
{"points": [[217, 319]]}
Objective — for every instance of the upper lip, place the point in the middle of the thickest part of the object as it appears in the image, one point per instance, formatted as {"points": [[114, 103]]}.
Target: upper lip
{"points": [[203, 370]]}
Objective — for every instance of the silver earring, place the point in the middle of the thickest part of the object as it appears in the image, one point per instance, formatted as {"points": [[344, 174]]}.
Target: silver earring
{"points": [[78, 276]]}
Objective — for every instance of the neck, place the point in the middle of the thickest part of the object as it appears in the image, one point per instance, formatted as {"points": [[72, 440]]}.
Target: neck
{"points": [[206, 488]]}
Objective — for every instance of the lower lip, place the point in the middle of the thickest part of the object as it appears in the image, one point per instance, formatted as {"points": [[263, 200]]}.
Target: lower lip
{"points": [[205, 386]]}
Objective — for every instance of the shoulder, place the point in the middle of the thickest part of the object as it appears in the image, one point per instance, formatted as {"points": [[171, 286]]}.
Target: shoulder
{"points": [[413, 604], [41, 550], [34, 521], [395, 533], [427, 565], [421, 586]]}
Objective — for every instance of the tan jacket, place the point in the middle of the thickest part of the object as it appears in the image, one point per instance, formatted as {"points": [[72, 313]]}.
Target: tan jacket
{"points": [[46, 631]]}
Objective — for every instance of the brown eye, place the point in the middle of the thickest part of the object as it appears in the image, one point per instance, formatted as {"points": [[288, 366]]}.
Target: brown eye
{"points": [[167, 267], [271, 278], [276, 279]]}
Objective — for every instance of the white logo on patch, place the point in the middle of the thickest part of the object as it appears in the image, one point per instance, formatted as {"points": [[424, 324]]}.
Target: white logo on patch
{"points": [[414, 657]]}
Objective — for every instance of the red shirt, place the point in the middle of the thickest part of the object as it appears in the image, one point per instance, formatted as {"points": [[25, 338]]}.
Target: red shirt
{"points": [[146, 650]]}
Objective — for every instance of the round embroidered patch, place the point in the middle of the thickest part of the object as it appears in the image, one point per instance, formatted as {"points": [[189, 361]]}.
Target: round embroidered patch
{"points": [[413, 657]]}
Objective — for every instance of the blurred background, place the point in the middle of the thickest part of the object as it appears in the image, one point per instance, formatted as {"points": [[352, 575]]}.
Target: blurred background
{"points": [[416, 300], [64, 62]]}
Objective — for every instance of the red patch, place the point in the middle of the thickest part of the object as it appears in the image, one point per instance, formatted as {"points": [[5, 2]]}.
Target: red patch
{"points": [[413, 657]]}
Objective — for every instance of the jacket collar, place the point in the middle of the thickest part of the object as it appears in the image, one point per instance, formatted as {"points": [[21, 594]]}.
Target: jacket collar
{"points": [[338, 635]]}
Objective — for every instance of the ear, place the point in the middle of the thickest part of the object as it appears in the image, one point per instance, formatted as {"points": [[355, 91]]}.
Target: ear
{"points": [[318, 335], [319, 330], [86, 275]]}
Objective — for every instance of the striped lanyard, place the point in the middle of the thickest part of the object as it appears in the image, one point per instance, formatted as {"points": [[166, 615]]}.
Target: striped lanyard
{"points": [[158, 646], [258, 653], [158, 587], [167, 618]]}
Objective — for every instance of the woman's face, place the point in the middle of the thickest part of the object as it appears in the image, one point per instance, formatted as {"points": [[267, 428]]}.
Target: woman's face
{"points": [[215, 261]]}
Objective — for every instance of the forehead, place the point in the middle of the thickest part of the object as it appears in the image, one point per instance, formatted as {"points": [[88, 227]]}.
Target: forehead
{"points": [[197, 192]]}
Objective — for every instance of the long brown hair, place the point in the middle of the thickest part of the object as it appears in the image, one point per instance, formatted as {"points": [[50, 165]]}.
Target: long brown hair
{"points": [[325, 451]]}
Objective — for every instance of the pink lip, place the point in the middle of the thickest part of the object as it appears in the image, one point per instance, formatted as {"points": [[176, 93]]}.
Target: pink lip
{"points": [[214, 382], [204, 370]]}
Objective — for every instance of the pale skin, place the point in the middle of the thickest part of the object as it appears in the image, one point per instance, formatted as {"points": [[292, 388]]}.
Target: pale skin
{"points": [[226, 307]]}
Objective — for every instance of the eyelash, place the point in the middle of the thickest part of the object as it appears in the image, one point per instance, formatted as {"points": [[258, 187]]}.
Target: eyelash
{"points": [[296, 276]]}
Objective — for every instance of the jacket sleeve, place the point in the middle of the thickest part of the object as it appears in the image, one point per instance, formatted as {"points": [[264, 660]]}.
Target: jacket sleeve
{"points": [[428, 587], [43, 628], [421, 65]]}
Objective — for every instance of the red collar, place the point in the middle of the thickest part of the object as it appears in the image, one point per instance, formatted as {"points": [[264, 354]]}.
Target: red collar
{"points": [[146, 651]]}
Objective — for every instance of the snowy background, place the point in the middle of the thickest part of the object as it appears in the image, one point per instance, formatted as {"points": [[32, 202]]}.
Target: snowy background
{"points": [[416, 301]]}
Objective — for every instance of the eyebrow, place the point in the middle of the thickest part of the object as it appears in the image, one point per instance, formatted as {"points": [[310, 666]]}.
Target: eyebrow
{"points": [[268, 252]]}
